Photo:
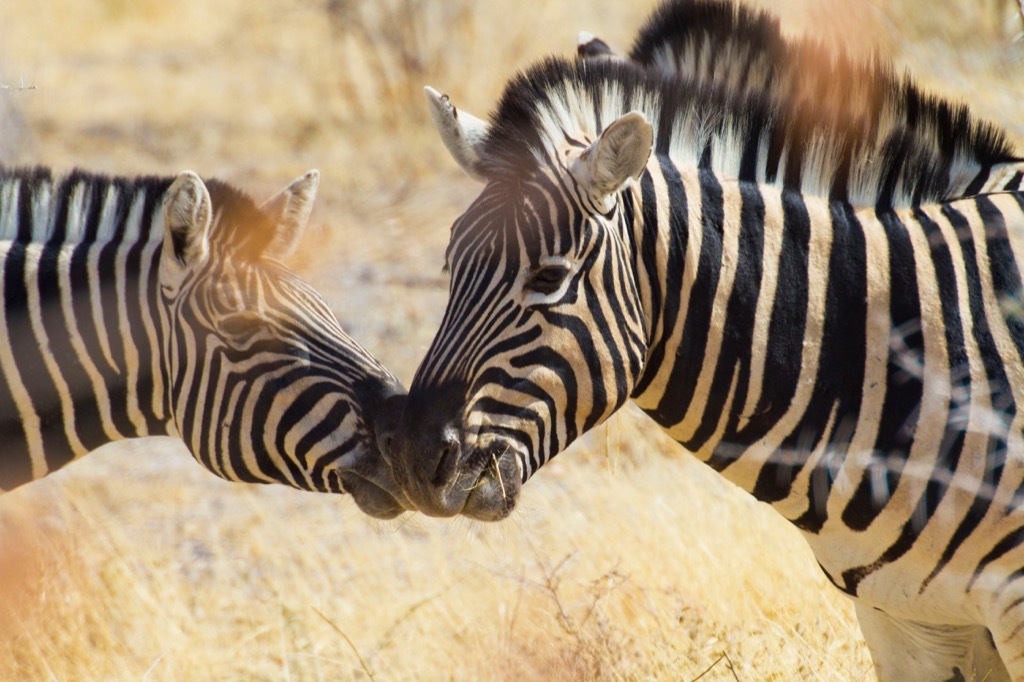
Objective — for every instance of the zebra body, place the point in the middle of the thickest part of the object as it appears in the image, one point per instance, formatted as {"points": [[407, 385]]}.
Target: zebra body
{"points": [[136, 307], [858, 367]]}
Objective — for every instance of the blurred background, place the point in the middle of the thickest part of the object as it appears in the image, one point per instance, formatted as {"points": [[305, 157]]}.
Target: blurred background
{"points": [[626, 560]]}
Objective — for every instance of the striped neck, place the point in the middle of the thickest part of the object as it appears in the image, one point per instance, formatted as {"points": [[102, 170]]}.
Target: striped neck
{"points": [[735, 284], [80, 347]]}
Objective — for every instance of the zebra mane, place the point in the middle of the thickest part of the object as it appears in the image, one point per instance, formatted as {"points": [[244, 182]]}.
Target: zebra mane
{"points": [[710, 39], [744, 134], [91, 208], [871, 111]]}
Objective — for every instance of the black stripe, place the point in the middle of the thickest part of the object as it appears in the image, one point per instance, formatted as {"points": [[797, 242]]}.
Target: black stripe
{"points": [[903, 391], [25, 211], [540, 357], [1015, 182], [15, 465], [615, 395], [322, 429], [237, 441], [96, 195], [979, 181], [737, 336], [999, 384], [87, 422], [300, 409], [29, 360], [543, 356], [1004, 270], [675, 264], [60, 215], [261, 410], [960, 385], [786, 329], [840, 381], [679, 392], [1007, 544]]}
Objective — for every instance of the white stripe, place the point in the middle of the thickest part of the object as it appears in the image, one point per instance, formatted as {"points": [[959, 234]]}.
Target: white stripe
{"points": [[695, 413], [131, 353], [43, 215], [12, 376], [770, 259], [149, 259], [96, 279], [878, 329], [74, 225], [691, 186], [9, 193], [85, 360], [35, 307]]}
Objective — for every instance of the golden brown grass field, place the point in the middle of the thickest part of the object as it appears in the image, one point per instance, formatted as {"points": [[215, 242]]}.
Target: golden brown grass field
{"points": [[627, 560]]}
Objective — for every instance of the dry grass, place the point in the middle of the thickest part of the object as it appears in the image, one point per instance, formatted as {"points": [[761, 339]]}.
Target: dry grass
{"points": [[627, 560]]}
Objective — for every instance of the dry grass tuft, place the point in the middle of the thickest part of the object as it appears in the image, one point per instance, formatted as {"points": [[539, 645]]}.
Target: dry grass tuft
{"points": [[627, 560]]}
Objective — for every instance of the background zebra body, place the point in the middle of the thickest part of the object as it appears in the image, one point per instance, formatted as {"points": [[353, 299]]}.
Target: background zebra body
{"points": [[860, 369], [872, 115], [135, 307]]}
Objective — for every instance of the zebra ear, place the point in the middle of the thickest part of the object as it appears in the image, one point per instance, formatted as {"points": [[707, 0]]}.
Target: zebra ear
{"points": [[187, 215], [289, 211], [461, 132], [617, 156], [589, 46]]}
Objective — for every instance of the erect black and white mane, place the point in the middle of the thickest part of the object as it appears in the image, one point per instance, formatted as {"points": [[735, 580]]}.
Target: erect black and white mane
{"points": [[877, 114], [90, 208], [743, 133]]}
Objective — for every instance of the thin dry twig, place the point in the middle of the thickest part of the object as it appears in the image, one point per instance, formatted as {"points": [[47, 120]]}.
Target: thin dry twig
{"points": [[728, 665], [349, 641], [389, 634], [497, 467]]}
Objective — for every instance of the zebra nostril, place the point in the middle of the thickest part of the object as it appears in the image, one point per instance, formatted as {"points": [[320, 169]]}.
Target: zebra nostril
{"points": [[384, 442], [448, 459]]}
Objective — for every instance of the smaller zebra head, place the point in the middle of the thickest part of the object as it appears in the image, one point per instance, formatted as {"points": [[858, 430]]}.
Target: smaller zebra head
{"points": [[264, 385], [544, 335]]}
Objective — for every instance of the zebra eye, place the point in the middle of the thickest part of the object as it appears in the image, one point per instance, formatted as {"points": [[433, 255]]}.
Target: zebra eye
{"points": [[547, 279]]}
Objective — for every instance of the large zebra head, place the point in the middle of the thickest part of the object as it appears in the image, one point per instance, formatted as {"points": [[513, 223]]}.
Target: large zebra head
{"points": [[264, 385], [544, 335]]}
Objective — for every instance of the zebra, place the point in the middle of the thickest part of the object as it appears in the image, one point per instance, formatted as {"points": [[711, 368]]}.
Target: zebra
{"points": [[859, 368], [867, 105], [145, 306]]}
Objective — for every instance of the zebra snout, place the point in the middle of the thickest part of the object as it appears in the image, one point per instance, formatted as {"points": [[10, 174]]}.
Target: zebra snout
{"points": [[427, 465], [428, 455]]}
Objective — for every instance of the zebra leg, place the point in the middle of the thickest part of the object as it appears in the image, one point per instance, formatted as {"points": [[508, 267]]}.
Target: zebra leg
{"points": [[906, 650]]}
